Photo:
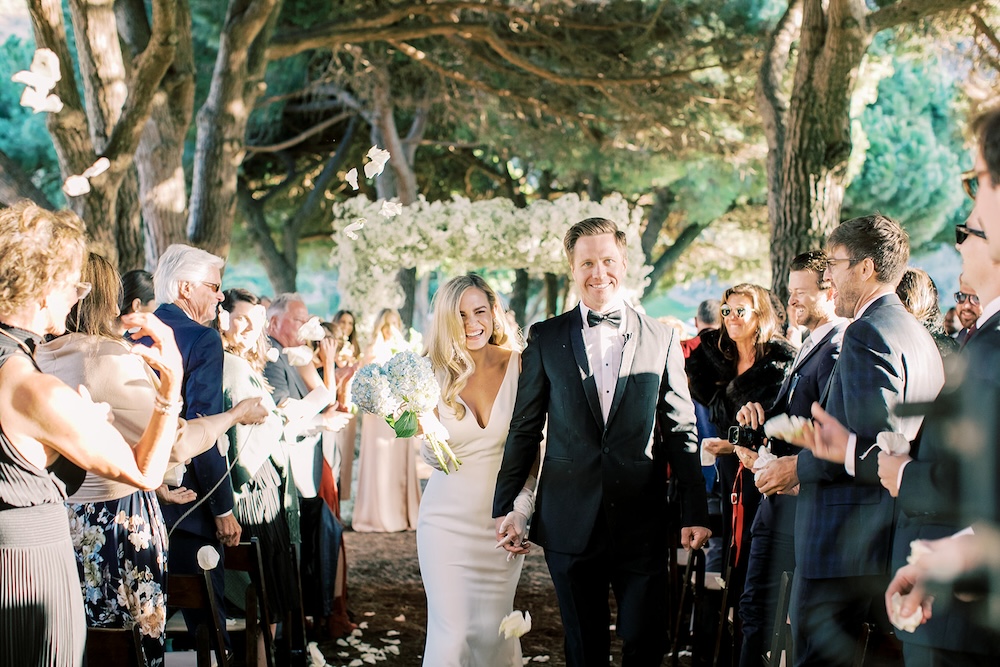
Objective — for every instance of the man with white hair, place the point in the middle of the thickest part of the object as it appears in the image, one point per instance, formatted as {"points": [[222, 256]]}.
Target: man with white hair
{"points": [[187, 284]]}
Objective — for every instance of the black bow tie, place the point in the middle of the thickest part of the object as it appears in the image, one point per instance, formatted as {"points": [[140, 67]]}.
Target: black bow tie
{"points": [[614, 318]]}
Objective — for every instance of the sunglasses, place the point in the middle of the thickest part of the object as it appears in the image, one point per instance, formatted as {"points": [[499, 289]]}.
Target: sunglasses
{"points": [[740, 311], [963, 232], [962, 297], [212, 286]]}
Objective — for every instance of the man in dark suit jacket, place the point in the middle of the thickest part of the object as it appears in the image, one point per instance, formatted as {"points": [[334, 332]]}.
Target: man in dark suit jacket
{"points": [[926, 482], [844, 516], [772, 550], [187, 283], [611, 384]]}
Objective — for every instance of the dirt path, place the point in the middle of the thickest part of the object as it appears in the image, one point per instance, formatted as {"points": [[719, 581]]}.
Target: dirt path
{"points": [[387, 594]]}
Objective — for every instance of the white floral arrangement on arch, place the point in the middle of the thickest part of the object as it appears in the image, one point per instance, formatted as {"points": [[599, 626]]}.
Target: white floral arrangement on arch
{"points": [[461, 235]]}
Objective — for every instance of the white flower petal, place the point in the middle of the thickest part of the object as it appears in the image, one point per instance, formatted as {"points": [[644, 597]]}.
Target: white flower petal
{"points": [[208, 557], [391, 209], [351, 231], [352, 178], [224, 319], [316, 658], [363, 625], [39, 101], [540, 658], [341, 642], [401, 619], [369, 613], [46, 63], [312, 330], [515, 624], [392, 649], [273, 354], [98, 168], [378, 159], [394, 633], [355, 663], [298, 356], [75, 186], [356, 632]]}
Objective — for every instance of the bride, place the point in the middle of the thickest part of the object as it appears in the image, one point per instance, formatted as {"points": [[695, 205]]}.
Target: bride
{"points": [[469, 584]]}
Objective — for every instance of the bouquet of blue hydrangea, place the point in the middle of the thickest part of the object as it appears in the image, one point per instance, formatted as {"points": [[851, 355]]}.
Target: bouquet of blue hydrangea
{"points": [[405, 392]]}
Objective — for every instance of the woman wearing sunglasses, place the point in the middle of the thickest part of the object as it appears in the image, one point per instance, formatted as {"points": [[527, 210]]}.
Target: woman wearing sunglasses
{"points": [[745, 360]]}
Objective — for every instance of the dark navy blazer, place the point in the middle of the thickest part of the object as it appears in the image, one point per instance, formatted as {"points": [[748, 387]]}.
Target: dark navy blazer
{"points": [[201, 352], [843, 524]]}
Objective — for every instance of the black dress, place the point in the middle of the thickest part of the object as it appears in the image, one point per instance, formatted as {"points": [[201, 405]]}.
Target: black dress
{"points": [[41, 608]]}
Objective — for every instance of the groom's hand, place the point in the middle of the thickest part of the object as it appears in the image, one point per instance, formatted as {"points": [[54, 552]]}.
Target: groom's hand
{"points": [[694, 537], [511, 530]]}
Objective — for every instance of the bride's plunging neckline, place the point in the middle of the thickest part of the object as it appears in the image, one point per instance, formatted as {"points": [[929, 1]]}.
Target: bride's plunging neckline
{"points": [[481, 426]]}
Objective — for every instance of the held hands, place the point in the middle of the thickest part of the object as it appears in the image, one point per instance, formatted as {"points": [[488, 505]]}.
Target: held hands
{"points": [[888, 471], [694, 537], [511, 531]]}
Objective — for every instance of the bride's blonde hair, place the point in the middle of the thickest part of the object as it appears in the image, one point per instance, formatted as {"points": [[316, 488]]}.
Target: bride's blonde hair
{"points": [[446, 345]]}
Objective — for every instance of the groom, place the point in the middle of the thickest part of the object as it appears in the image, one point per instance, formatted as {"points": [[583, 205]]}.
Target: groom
{"points": [[611, 383]]}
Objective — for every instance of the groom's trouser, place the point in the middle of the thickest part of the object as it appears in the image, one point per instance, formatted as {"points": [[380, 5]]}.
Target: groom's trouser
{"points": [[582, 582]]}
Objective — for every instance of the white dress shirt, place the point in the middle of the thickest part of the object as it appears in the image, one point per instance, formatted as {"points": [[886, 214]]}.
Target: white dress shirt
{"points": [[604, 345]]}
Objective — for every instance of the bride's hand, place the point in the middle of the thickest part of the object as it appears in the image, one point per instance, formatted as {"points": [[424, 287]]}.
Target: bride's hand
{"points": [[511, 532]]}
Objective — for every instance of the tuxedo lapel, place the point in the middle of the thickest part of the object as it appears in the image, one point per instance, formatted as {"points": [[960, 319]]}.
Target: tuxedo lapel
{"points": [[628, 356], [575, 324]]}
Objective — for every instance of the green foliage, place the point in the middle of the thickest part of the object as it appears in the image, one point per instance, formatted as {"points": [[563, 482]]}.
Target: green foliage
{"points": [[23, 135], [915, 151]]}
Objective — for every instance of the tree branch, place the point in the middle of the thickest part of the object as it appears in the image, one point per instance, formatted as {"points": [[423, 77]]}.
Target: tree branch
{"points": [[143, 84], [302, 136], [322, 182], [910, 11]]}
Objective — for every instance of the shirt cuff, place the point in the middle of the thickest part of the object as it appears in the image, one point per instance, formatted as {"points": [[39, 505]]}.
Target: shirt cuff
{"points": [[223, 515], [852, 445], [899, 475]]}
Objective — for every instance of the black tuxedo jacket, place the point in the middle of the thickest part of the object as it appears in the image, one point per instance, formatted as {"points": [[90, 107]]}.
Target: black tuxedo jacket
{"points": [[930, 490], [887, 357], [201, 353], [804, 386], [619, 468]]}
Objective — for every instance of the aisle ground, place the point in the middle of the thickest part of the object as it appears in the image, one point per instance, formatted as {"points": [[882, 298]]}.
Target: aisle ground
{"points": [[386, 592]]}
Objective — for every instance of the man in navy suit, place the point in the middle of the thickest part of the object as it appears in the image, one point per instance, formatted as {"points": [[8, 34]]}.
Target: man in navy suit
{"points": [[772, 549], [610, 383], [844, 517], [187, 284]]}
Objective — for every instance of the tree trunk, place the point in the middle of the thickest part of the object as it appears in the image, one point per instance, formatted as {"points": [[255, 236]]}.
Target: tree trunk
{"points": [[810, 142], [159, 157], [128, 230], [237, 81], [519, 297], [552, 295], [400, 180]]}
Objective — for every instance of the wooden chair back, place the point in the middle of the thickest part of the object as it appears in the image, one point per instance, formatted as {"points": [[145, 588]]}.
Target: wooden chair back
{"points": [[194, 591], [246, 557], [115, 647]]}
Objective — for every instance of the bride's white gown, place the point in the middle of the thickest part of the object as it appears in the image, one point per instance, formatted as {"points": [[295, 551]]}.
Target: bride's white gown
{"points": [[469, 584]]}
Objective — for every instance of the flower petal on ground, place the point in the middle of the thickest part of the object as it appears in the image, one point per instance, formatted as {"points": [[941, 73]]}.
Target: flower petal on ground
{"points": [[75, 186], [391, 209]]}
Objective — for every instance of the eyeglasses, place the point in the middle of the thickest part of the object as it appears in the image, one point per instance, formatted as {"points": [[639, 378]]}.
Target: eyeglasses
{"points": [[833, 261], [962, 297], [970, 181], [82, 290], [213, 286], [963, 232], [741, 311]]}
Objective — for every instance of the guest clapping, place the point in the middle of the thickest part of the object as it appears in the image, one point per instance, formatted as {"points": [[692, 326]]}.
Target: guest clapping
{"points": [[51, 435]]}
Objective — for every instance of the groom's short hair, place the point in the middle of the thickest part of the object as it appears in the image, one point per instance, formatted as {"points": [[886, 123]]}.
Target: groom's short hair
{"points": [[592, 227]]}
